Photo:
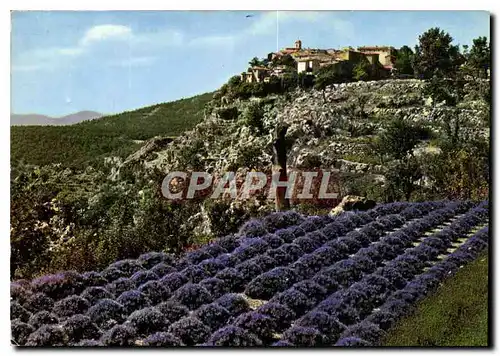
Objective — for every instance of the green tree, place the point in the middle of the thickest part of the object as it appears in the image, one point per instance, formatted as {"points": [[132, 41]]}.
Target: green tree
{"points": [[435, 55], [479, 57], [404, 60], [254, 62], [362, 70], [399, 139], [325, 77]]}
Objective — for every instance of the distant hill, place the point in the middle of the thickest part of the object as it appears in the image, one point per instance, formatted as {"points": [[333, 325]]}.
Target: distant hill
{"points": [[36, 119], [115, 135]]}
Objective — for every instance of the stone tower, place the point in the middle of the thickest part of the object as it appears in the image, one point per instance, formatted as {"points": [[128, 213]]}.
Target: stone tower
{"points": [[298, 44]]}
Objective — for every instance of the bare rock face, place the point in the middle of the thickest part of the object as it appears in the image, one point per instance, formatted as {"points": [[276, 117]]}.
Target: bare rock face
{"points": [[352, 202]]}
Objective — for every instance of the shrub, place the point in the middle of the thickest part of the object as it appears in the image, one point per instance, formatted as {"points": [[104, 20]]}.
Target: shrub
{"points": [[234, 336], [194, 274], [42, 318], [60, 285], [18, 312], [162, 339], [120, 286], [306, 244], [155, 291], [249, 270], [173, 310], [258, 324], [365, 331], [281, 314], [129, 267], [311, 290], [326, 324], [190, 330], [47, 335], [94, 294], [162, 269], [119, 335], [71, 305], [295, 300], [304, 336], [253, 228], [212, 266], [142, 277], [268, 284], [233, 279], [148, 320], [79, 327], [352, 341], [20, 331], [104, 310], [212, 315], [112, 273], [133, 300], [234, 303], [173, 281], [91, 279], [192, 296], [150, 259], [286, 254], [215, 286]]}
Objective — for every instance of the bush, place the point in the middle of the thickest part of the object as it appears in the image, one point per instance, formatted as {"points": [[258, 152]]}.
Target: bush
{"points": [[120, 286], [268, 284], [212, 315], [94, 294], [42, 318], [215, 286], [192, 296], [119, 335], [162, 269], [105, 310], [324, 323], [281, 314], [47, 335], [18, 312], [142, 277], [295, 300], [60, 285], [155, 291], [148, 320], [173, 310], [234, 303], [304, 336], [71, 305], [162, 339], [133, 300], [150, 259], [190, 330], [258, 324], [79, 327], [233, 336], [20, 331], [174, 281]]}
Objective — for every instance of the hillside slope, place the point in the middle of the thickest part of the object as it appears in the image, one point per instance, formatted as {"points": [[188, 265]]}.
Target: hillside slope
{"points": [[115, 135], [39, 120]]}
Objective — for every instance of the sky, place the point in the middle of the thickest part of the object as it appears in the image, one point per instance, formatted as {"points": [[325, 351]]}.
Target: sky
{"points": [[112, 61]]}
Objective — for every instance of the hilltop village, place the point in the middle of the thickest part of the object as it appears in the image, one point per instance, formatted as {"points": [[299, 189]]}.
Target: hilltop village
{"points": [[381, 59]]}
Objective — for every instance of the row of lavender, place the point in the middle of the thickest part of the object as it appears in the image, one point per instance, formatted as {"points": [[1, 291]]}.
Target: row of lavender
{"points": [[293, 261]]}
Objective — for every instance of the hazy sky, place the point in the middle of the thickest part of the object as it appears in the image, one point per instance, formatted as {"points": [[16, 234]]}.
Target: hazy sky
{"points": [[63, 62]]}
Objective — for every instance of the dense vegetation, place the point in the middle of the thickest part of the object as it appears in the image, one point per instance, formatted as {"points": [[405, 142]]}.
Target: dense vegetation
{"points": [[89, 142], [307, 281]]}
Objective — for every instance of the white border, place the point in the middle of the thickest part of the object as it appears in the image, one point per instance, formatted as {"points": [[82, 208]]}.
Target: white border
{"points": [[187, 5]]}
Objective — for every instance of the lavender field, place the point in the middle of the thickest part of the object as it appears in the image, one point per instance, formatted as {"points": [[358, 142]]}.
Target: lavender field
{"points": [[284, 280]]}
